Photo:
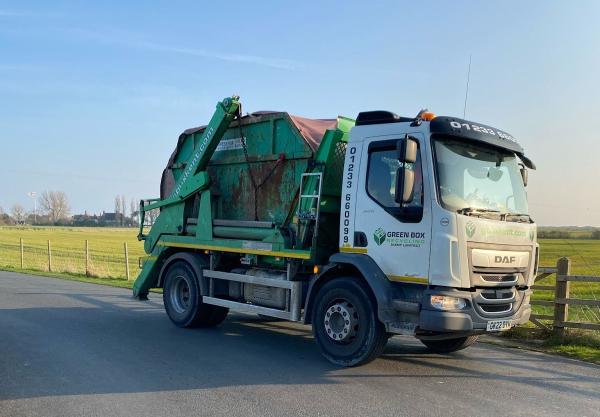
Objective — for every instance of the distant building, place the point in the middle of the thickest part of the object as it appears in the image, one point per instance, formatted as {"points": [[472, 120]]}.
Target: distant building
{"points": [[86, 219], [113, 219], [103, 219]]}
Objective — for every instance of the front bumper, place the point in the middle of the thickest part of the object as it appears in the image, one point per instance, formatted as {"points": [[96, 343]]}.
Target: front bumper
{"points": [[482, 306]]}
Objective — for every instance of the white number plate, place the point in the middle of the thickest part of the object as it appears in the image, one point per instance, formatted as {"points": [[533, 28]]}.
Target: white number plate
{"points": [[498, 325]]}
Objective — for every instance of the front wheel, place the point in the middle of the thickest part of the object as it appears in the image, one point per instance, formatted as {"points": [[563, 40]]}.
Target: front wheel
{"points": [[345, 323], [450, 345], [183, 300]]}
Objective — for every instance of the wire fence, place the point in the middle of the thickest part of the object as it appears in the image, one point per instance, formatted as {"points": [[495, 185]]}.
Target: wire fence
{"points": [[83, 261]]}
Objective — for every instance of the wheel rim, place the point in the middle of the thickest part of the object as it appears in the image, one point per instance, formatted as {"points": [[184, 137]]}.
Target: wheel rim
{"points": [[341, 321], [180, 294]]}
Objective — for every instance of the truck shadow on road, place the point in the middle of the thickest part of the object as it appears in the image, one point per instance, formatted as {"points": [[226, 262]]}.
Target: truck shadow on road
{"points": [[491, 363], [110, 344]]}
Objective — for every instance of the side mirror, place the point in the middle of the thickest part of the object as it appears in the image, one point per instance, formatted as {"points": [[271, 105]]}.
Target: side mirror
{"points": [[407, 150], [495, 174], [405, 186], [405, 178], [410, 155], [524, 175]]}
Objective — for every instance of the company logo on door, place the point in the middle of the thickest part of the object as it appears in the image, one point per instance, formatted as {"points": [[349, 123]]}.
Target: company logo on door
{"points": [[379, 236], [404, 239]]}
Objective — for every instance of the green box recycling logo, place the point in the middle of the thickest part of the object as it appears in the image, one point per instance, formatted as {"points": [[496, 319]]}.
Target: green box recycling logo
{"points": [[379, 236]]}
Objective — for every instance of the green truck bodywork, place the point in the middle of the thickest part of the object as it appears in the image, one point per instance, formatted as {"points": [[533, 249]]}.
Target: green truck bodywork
{"points": [[268, 193]]}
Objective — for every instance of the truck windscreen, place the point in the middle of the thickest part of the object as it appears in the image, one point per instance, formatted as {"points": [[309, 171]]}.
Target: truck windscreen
{"points": [[476, 176]]}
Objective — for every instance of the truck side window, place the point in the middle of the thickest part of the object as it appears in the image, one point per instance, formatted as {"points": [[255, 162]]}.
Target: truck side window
{"points": [[381, 182]]}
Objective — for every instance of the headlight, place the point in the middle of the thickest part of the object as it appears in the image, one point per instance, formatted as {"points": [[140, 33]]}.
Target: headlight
{"points": [[444, 302]]}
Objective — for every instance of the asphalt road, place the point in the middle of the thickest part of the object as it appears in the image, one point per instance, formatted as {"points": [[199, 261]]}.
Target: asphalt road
{"points": [[75, 349]]}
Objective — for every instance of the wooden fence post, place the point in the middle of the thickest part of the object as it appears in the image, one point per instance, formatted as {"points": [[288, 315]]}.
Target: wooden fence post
{"points": [[126, 261], [49, 257], [561, 310], [87, 258], [21, 245]]}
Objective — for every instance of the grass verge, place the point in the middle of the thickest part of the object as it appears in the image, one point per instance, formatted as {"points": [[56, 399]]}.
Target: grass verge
{"points": [[578, 344], [113, 282]]}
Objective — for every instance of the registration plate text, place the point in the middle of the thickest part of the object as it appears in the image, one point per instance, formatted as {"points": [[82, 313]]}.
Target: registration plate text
{"points": [[498, 325]]}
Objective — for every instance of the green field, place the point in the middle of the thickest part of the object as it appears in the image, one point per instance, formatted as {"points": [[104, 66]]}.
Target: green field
{"points": [[106, 249], [585, 258], [584, 254]]}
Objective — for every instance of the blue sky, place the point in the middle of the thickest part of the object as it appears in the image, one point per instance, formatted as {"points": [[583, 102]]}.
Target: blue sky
{"points": [[94, 94]]}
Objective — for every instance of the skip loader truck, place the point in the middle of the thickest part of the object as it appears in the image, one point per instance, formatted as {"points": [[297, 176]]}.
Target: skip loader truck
{"points": [[362, 228]]}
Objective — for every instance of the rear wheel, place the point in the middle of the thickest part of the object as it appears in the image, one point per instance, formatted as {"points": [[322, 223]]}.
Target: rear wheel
{"points": [[345, 323], [450, 345], [183, 300]]}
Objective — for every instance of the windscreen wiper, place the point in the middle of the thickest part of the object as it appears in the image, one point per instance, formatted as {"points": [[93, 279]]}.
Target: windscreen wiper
{"points": [[479, 212], [518, 217]]}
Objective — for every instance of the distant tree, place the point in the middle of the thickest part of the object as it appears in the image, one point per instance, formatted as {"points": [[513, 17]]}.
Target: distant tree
{"points": [[596, 234], [18, 213], [55, 205], [124, 208], [4, 218], [118, 208], [133, 210], [30, 218], [151, 217]]}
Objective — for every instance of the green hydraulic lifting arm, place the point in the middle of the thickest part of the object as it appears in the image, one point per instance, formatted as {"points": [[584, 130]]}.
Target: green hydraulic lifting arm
{"points": [[193, 179], [306, 208]]}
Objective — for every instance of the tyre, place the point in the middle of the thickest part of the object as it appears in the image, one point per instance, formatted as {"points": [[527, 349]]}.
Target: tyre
{"points": [[183, 300], [449, 345], [345, 323]]}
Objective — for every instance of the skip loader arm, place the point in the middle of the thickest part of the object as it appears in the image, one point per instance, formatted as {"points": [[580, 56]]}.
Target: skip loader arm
{"points": [[193, 179]]}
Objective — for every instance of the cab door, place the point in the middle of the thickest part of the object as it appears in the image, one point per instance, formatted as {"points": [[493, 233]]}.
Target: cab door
{"points": [[397, 237]]}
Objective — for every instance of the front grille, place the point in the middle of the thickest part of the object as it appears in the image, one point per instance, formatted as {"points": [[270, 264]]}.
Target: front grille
{"points": [[497, 302], [496, 308], [498, 294], [500, 278], [500, 271], [497, 277]]}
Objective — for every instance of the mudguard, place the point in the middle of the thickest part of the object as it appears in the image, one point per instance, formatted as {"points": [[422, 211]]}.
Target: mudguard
{"points": [[196, 261], [371, 273]]}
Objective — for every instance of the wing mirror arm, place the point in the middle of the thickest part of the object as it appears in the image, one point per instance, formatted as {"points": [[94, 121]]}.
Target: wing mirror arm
{"points": [[524, 174]]}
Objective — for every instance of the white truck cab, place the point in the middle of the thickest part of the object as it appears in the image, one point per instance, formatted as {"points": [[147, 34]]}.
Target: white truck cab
{"points": [[438, 204]]}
